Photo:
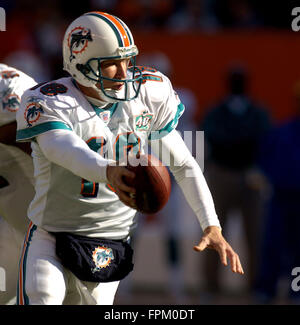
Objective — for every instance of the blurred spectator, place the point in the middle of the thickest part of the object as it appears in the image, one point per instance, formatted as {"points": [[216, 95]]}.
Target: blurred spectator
{"points": [[193, 15], [18, 34], [30, 63], [281, 241], [48, 32], [178, 15], [160, 10], [233, 130], [237, 14], [133, 11], [105, 5]]}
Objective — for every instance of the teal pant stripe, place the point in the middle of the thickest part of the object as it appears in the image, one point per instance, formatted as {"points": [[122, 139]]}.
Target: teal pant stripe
{"points": [[22, 298]]}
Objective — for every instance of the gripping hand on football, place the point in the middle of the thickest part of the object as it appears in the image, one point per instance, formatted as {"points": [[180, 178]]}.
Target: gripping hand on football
{"points": [[116, 176], [212, 238]]}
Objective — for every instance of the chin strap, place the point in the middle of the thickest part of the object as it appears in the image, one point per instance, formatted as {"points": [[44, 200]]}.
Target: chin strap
{"points": [[105, 99], [97, 102]]}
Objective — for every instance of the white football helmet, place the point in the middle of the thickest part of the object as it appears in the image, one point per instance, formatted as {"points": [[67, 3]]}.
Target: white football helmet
{"points": [[93, 38]]}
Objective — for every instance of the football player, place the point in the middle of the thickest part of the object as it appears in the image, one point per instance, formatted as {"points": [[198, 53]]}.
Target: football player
{"points": [[16, 180], [76, 249]]}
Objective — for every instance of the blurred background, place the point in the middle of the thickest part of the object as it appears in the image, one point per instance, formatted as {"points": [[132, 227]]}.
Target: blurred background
{"points": [[235, 65]]}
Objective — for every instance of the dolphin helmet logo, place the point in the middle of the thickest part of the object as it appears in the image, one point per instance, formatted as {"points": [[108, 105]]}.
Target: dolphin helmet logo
{"points": [[78, 40]]}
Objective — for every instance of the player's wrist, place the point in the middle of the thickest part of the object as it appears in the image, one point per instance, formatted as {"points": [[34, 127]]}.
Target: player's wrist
{"points": [[209, 229]]}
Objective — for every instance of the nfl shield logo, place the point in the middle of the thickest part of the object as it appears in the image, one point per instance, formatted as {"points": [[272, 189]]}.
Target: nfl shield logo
{"points": [[105, 116]]}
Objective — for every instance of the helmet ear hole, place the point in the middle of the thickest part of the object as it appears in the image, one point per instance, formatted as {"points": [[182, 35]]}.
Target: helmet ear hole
{"points": [[83, 68]]}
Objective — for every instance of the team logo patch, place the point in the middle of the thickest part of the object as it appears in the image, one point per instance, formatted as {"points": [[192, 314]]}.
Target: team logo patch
{"points": [[53, 89], [102, 257], [33, 112], [78, 40], [143, 121], [11, 102]]}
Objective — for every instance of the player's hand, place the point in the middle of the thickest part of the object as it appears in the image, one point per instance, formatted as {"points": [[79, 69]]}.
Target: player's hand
{"points": [[115, 176], [212, 238]]}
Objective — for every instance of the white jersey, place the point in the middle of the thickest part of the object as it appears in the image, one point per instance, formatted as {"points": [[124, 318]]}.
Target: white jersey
{"points": [[63, 200], [15, 166]]}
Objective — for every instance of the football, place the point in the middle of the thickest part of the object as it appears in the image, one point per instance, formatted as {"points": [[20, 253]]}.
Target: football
{"points": [[152, 183]]}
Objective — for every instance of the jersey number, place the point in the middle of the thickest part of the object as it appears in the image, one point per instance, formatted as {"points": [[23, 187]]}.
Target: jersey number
{"points": [[124, 143]]}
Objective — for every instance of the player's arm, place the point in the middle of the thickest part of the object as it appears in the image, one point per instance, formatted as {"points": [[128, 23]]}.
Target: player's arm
{"points": [[8, 137], [190, 178], [66, 149]]}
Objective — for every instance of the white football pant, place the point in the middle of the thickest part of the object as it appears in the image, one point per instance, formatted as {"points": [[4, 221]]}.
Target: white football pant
{"points": [[44, 281]]}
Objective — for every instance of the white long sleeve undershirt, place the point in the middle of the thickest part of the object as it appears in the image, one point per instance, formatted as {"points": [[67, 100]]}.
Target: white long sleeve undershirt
{"points": [[67, 150], [188, 175]]}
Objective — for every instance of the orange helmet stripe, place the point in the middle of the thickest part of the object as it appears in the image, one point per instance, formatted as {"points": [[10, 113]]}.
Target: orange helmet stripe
{"points": [[124, 35]]}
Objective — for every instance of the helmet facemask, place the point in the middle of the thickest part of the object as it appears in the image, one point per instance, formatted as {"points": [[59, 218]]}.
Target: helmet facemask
{"points": [[92, 71]]}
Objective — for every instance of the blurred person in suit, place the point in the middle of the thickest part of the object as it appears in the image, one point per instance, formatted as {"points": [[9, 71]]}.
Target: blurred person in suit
{"points": [[280, 160], [233, 130]]}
